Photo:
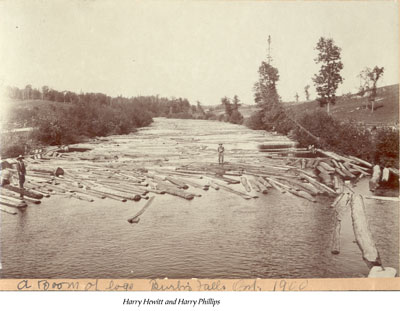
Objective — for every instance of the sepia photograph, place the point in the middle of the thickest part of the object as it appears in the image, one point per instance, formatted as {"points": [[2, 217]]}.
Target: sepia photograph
{"points": [[191, 140]]}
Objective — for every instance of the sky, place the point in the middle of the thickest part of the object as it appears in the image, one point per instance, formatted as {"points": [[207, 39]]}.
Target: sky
{"points": [[200, 50]]}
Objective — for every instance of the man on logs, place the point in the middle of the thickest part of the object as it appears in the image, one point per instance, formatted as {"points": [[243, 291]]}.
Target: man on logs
{"points": [[21, 174], [221, 154]]}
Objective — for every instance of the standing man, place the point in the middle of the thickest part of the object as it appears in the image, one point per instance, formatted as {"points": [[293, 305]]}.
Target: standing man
{"points": [[221, 150], [21, 174]]}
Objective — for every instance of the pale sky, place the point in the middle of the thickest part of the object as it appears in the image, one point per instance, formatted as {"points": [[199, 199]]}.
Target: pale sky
{"points": [[201, 50]]}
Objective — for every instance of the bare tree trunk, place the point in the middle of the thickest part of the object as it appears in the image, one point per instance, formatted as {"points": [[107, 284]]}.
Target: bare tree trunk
{"points": [[328, 106]]}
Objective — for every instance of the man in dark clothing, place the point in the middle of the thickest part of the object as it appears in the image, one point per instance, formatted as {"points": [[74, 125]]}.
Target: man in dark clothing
{"points": [[221, 150], [21, 174]]}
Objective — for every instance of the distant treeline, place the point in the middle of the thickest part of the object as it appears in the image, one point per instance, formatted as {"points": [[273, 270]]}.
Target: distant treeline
{"points": [[60, 118]]}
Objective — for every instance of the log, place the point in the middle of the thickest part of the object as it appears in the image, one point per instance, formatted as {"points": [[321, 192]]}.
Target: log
{"points": [[335, 163], [264, 182], [106, 189], [177, 182], [5, 209], [323, 171], [302, 194], [196, 185], [393, 199], [135, 219], [326, 166], [5, 201], [335, 248], [261, 186], [337, 200], [214, 185], [25, 192], [347, 165], [254, 185], [326, 179], [110, 196], [241, 194], [346, 171], [245, 184], [16, 196], [376, 176], [80, 197], [385, 174], [360, 161], [273, 184], [362, 233], [318, 184], [336, 183], [176, 192], [341, 173], [361, 169], [329, 154]]}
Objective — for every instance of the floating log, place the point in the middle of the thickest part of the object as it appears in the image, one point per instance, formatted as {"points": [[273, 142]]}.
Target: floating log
{"points": [[16, 196], [243, 195], [5, 209], [264, 182], [261, 186], [25, 192], [393, 199], [337, 200], [254, 185], [196, 185], [274, 185], [176, 192], [318, 184], [376, 176], [177, 182], [362, 233], [302, 194], [214, 185], [11, 203], [80, 197], [245, 184], [135, 219]]}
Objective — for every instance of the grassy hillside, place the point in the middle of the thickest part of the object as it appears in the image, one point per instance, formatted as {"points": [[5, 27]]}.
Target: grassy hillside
{"points": [[350, 107], [353, 107]]}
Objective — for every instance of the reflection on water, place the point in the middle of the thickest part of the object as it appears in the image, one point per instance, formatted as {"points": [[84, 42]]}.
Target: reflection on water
{"points": [[218, 235]]}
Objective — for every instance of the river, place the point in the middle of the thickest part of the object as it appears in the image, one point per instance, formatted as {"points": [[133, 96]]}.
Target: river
{"points": [[217, 235]]}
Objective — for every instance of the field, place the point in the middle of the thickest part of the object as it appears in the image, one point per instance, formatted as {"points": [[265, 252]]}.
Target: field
{"points": [[350, 107]]}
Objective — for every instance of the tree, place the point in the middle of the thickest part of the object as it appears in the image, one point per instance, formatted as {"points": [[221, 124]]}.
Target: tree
{"points": [[307, 92], [374, 75], [265, 93], [28, 92], [296, 97], [226, 103], [328, 78]]}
